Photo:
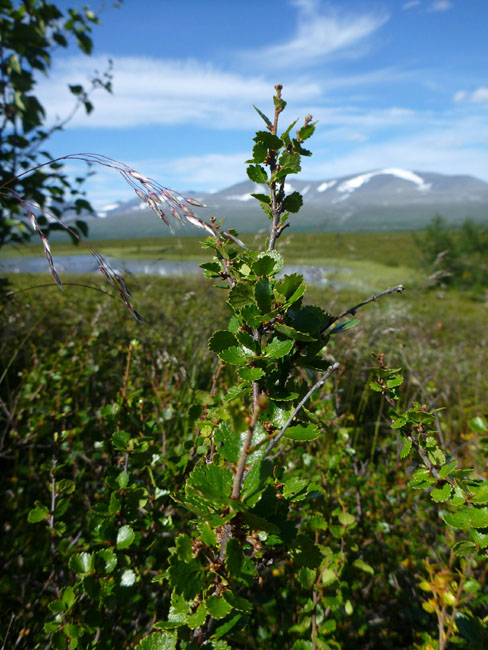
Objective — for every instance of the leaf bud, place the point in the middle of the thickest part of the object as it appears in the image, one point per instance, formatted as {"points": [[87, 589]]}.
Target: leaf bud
{"points": [[263, 402]]}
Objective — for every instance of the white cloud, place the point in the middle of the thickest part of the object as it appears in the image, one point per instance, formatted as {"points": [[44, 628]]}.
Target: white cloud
{"points": [[411, 4], [479, 96], [164, 92], [450, 147], [319, 35], [440, 5], [158, 91], [460, 96]]}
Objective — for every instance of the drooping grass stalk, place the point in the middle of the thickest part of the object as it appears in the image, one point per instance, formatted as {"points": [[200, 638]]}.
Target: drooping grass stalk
{"points": [[162, 200]]}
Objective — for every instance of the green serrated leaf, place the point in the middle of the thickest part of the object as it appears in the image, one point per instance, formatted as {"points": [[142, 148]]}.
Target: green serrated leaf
{"points": [[290, 163], [270, 140], [309, 319], [295, 489], [262, 198], [277, 348], [81, 563], [447, 469], [263, 295], [292, 333], [421, 479], [257, 174], [464, 549], [407, 447], [38, 513], [217, 607], [480, 538], [480, 493], [256, 481], [197, 619], [363, 566], [235, 356], [212, 482], [241, 295], [467, 517], [293, 202], [236, 391], [183, 548], [221, 340], [207, 535], [125, 537], [252, 315], [289, 284], [250, 374], [105, 560], [68, 597], [394, 381], [237, 602], [259, 152], [436, 456], [214, 267], [268, 263], [303, 433], [159, 641], [306, 131], [227, 442], [246, 340], [439, 495]]}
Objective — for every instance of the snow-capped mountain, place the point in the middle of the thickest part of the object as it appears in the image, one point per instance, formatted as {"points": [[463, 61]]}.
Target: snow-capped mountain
{"points": [[385, 199]]}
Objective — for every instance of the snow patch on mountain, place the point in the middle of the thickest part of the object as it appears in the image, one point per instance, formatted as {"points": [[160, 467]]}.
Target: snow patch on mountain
{"points": [[357, 181], [325, 186], [239, 197], [102, 213]]}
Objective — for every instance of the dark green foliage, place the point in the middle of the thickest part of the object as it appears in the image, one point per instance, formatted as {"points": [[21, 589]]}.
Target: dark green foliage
{"points": [[32, 33]]}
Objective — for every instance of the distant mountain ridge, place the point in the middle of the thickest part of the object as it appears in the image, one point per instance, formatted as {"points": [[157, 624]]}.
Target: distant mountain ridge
{"points": [[385, 199]]}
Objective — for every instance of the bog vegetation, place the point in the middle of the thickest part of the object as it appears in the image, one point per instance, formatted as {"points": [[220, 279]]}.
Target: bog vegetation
{"points": [[248, 468]]}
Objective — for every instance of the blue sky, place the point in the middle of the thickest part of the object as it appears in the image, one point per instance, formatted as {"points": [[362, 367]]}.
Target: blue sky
{"points": [[393, 83]]}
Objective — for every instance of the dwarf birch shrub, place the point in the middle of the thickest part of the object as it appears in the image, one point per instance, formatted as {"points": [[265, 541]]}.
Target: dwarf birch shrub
{"points": [[240, 514]]}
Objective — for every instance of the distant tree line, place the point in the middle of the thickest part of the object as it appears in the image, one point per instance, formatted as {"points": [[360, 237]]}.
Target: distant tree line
{"points": [[456, 258]]}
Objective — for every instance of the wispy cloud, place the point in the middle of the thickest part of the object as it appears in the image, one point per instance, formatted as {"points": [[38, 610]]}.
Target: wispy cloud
{"points": [[411, 4], [479, 96], [170, 92], [416, 154], [320, 34], [440, 5], [158, 91]]}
